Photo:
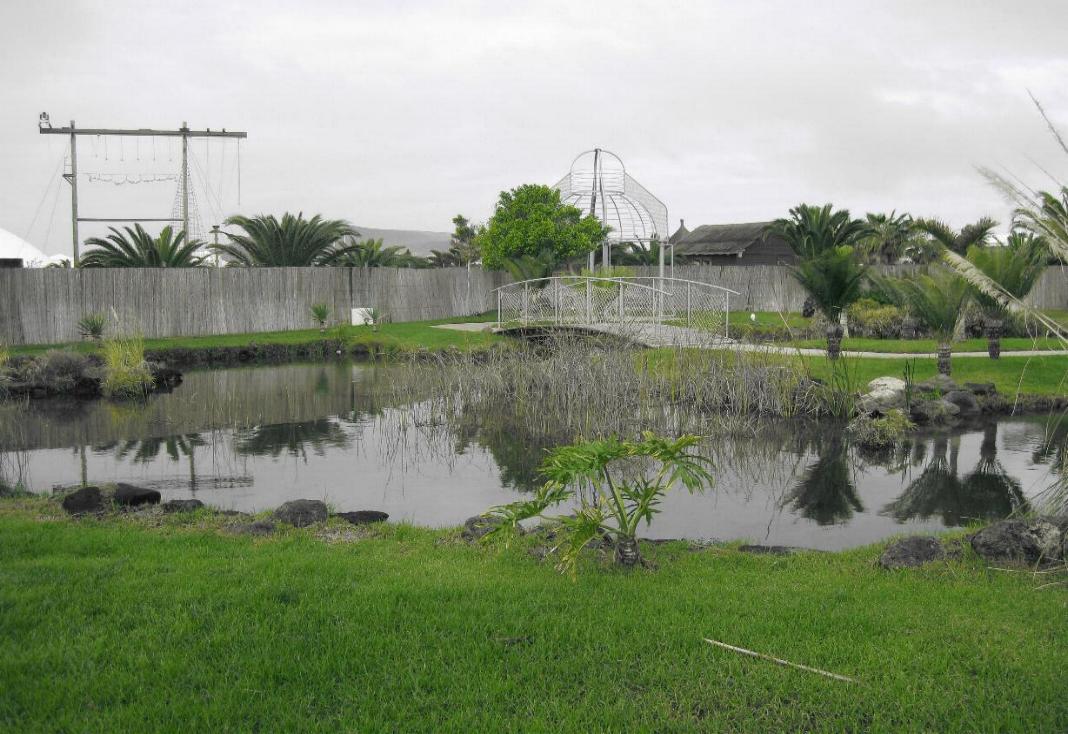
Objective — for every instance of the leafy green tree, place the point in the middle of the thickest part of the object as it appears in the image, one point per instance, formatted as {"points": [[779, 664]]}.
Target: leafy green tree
{"points": [[938, 300], [292, 241], [464, 241], [136, 248], [530, 220], [811, 231], [834, 280], [1015, 268], [612, 501], [979, 234]]}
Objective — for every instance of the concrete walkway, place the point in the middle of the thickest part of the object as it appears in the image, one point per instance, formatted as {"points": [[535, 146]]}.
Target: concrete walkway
{"points": [[653, 335]]}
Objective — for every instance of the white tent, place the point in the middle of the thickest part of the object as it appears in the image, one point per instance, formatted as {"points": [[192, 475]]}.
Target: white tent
{"points": [[13, 246]]}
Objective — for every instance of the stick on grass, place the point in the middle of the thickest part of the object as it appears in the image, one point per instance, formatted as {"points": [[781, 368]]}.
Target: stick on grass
{"points": [[779, 661]]}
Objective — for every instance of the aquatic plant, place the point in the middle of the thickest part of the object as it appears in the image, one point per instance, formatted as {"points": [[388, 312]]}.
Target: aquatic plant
{"points": [[612, 502], [126, 373]]}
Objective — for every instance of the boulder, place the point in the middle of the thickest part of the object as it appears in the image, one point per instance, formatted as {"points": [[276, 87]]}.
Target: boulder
{"points": [[81, 501], [260, 527], [301, 513], [980, 388], [128, 495], [363, 517], [884, 394], [181, 505], [477, 527], [1022, 541], [964, 400], [940, 384], [912, 552], [933, 411]]}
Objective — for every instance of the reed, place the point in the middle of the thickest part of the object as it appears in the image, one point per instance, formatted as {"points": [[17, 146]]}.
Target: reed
{"points": [[126, 373]]}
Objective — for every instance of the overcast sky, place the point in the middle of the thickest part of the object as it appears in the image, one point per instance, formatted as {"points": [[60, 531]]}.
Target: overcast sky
{"points": [[402, 114]]}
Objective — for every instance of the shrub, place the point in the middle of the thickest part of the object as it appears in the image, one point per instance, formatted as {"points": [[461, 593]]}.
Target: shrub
{"points": [[879, 433], [126, 373], [92, 326], [869, 318]]}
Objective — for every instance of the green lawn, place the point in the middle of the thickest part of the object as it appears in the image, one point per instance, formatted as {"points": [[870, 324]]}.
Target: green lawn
{"points": [[110, 626], [404, 336], [930, 346]]}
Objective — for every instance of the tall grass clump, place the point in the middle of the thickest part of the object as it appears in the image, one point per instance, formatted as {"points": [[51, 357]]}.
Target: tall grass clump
{"points": [[126, 373]]}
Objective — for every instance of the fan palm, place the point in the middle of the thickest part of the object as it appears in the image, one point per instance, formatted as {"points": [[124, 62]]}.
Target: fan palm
{"points": [[373, 254], [292, 241], [136, 248], [811, 231], [834, 280], [938, 300], [979, 234], [1016, 268]]}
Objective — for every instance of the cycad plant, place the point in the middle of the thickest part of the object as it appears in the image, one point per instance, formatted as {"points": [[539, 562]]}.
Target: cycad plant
{"points": [[292, 241], [938, 301], [1015, 267], [834, 281], [136, 248], [617, 485], [811, 231]]}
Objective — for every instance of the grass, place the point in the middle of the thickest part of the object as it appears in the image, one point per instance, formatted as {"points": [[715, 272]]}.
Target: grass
{"points": [[930, 346], [402, 336], [110, 626]]}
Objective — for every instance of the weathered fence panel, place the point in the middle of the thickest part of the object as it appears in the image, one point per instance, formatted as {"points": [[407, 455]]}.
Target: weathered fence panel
{"points": [[43, 306]]}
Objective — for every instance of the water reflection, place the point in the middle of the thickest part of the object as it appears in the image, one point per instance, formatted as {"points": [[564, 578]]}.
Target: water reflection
{"points": [[251, 438]]}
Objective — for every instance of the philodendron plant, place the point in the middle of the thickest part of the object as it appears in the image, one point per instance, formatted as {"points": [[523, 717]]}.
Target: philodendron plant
{"points": [[616, 484]]}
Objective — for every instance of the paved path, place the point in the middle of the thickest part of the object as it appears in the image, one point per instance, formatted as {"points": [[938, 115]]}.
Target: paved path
{"points": [[652, 335]]}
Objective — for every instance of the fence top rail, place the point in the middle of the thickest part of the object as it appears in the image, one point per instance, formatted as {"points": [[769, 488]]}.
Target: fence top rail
{"points": [[581, 278]]}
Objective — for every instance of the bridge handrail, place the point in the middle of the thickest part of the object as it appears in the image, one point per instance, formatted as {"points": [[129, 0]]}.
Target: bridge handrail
{"points": [[692, 282], [623, 281]]}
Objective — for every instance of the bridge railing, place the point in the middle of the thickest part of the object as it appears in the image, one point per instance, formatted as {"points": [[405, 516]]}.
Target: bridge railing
{"points": [[591, 300]]}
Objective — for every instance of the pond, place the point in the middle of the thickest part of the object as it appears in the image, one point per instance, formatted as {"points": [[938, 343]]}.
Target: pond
{"points": [[251, 438]]}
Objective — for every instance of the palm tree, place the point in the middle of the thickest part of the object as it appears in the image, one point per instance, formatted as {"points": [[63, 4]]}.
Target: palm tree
{"points": [[1048, 218], [136, 248], [528, 267], [834, 281], [1015, 267], [292, 242], [373, 254], [979, 234], [891, 238], [448, 259], [938, 300], [811, 230]]}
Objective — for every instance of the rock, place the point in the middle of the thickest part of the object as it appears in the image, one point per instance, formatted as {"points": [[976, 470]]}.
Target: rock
{"points": [[912, 552], [301, 513], [940, 384], [260, 527], [363, 517], [128, 495], [980, 388], [964, 400], [767, 550], [1023, 541], [933, 411], [86, 499], [181, 505], [477, 527], [884, 394]]}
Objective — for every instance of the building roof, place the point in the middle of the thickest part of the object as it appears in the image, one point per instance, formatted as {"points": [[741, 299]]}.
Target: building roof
{"points": [[724, 239], [679, 233], [14, 247]]}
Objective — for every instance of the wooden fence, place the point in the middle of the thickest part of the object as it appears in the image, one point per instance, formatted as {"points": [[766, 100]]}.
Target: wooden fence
{"points": [[43, 306]]}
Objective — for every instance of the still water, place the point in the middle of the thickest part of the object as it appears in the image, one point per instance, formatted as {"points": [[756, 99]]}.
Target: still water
{"points": [[251, 438]]}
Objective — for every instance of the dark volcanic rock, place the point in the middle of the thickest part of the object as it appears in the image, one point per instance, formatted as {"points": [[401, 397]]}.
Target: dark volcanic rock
{"points": [[86, 499], [980, 388], [260, 527], [1022, 541], [363, 517], [182, 505], [301, 513], [476, 528], [911, 552], [940, 384], [130, 496], [933, 411], [964, 400]]}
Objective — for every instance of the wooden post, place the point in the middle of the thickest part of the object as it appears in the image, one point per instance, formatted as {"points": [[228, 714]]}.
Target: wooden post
{"points": [[185, 180], [74, 192]]}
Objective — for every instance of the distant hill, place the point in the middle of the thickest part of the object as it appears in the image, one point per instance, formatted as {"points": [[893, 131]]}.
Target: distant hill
{"points": [[419, 242]]}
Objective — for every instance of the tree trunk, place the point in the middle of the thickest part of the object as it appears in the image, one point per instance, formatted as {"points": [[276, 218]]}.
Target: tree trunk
{"points": [[627, 553], [945, 351], [992, 327], [834, 341]]}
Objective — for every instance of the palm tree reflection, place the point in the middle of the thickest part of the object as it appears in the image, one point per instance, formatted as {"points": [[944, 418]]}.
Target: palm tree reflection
{"points": [[292, 438], [825, 492]]}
